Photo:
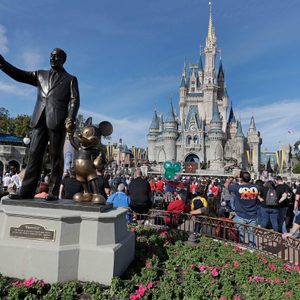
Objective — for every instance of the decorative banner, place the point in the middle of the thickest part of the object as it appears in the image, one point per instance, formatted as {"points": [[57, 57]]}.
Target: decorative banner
{"points": [[250, 156], [134, 152], [139, 153], [108, 152], [280, 158]]}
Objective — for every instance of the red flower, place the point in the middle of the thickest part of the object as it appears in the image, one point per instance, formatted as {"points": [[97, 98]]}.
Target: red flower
{"points": [[167, 243], [272, 267], [237, 298], [236, 264], [163, 233], [226, 266], [134, 297], [132, 229], [148, 266], [296, 268], [265, 261], [223, 298]]}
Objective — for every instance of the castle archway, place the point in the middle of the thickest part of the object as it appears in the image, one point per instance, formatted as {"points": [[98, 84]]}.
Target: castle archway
{"points": [[192, 157]]}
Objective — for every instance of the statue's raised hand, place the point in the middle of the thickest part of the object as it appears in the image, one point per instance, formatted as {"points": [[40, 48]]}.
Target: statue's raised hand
{"points": [[2, 61]]}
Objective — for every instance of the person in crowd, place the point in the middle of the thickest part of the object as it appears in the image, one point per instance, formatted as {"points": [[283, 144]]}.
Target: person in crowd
{"points": [[70, 186], [295, 229], [269, 206], [14, 177], [193, 188], [6, 181], [140, 194], [121, 199], [246, 203], [159, 185], [152, 184], [42, 191], [104, 188], [215, 190], [199, 206], [282, 190], [177, 206]]}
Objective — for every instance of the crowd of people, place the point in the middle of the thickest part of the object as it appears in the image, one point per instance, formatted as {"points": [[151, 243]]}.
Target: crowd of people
{"points": [[271, 204]]}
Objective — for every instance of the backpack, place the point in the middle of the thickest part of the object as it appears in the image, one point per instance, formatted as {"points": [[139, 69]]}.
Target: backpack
{"points": [[272, 199]]}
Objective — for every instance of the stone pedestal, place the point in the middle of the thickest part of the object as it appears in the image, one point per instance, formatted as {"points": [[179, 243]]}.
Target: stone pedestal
{"points": [[62, 240]]}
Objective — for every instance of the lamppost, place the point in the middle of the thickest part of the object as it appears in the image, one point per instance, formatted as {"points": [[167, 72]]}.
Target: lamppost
{"points": [[26, 141]]}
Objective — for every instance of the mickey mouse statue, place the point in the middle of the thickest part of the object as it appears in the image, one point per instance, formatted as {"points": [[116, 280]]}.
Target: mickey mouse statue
{"points": [[89, 159]]}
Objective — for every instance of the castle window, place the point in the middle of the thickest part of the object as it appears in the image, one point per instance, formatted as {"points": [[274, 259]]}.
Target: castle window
{"points": [[196, 139], [193, 82], [188, 140], [192, 90]]}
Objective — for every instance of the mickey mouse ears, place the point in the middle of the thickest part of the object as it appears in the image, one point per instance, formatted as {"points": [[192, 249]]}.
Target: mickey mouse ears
{"points": [[105, 128]]}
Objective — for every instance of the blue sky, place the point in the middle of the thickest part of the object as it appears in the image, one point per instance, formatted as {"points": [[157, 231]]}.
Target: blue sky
{"points": [[128, 56]]}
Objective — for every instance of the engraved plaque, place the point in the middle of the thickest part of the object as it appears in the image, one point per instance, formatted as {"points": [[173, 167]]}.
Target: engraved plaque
{"points": [[33, 232]]}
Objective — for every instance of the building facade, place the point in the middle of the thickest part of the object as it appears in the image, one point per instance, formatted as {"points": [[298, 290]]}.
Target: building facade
{"points": [[204, 132]]}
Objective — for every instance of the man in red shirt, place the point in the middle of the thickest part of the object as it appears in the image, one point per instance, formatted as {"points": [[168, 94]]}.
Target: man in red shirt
{"points": [[159, 185], [215, 190]]}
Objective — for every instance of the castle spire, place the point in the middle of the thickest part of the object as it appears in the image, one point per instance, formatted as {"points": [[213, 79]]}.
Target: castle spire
{"points": [[231, 118], [155, 121], [171, 114], [210, 34], [252, 127]]}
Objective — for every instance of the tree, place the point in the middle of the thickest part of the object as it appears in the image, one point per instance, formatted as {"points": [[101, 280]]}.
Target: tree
{"points": [[4, 120], [20, 125]]}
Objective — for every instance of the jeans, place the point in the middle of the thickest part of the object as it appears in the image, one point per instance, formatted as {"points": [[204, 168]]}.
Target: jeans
{"points": [[268, 213], [281, 219], [243, 230]]}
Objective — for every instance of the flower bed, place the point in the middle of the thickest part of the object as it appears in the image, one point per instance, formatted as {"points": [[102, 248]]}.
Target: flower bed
{"points": [[166, 267]]}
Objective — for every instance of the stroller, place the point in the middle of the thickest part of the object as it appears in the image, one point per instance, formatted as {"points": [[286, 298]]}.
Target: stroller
{"points": [[158, 200]]}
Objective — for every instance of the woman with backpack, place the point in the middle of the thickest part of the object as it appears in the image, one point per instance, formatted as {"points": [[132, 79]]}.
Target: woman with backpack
{"points": [[269, 208]]}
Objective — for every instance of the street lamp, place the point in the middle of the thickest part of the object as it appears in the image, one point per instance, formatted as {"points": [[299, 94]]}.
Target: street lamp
{"points": [[26, 141]]}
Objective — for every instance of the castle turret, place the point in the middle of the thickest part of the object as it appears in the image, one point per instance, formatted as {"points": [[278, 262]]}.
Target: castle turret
{"points": [[152, 137], [170, 134], [254, 145], [216, 137], [240, 144], [182, 94]]}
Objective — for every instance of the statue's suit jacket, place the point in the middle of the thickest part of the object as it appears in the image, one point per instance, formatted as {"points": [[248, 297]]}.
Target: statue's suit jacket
{"points": [[59, 99]]}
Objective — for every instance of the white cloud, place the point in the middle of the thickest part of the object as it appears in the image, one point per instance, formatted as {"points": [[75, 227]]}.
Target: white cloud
{"points": [[15, 89], [3, 40], [32, 59], [131, 129], [278, 122]]}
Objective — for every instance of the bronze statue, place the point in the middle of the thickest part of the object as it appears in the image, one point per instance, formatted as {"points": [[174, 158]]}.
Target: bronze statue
{"points": [[57, 103], [89, 159]]}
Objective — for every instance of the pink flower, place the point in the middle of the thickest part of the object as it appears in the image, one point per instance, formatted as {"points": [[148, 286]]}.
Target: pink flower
{"points": [[277, 280], [141, 291], [236, 264], [272, 267], [202, 268], [223, 298], [150, 285], [148, 266], [132, 229], [226, 266], [296, 268], [192, 266], [287, 266], [288, 293], [258, 278], [167, 243], [163, 233], [265, 261], [214, 272], [29, 282], [250, 279], [237, 298], [134, 297]]}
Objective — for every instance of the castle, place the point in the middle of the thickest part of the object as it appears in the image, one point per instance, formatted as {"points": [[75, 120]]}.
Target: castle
{"points": [[204, 132]]}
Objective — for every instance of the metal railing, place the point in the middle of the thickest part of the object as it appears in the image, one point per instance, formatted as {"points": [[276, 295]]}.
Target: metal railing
{"points": [[260, 239]]}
